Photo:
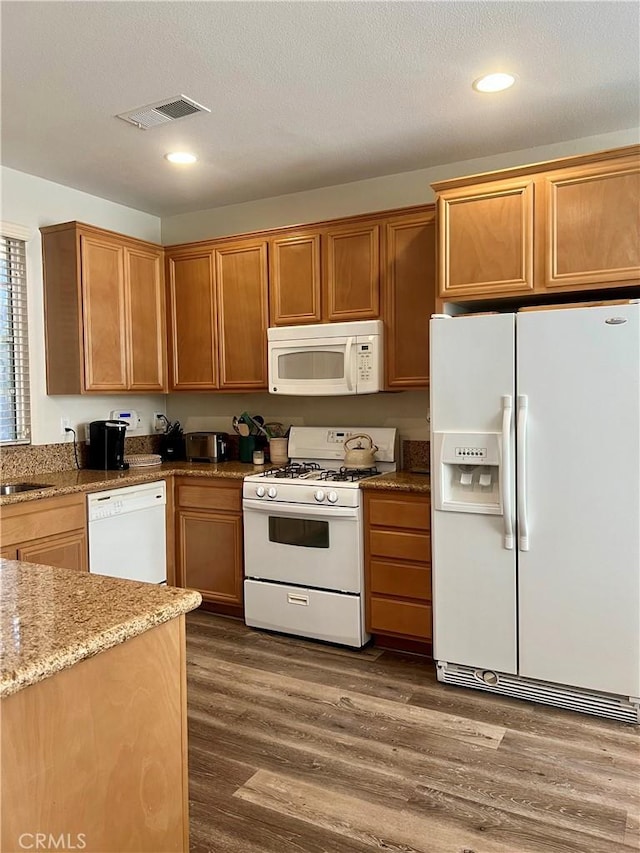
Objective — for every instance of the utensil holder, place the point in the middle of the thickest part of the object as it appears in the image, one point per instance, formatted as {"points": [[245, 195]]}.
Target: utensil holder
{"points": [[279, 450], [247, 444]]}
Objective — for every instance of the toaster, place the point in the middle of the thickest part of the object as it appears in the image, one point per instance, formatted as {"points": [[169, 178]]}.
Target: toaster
{"points": [[206, 446]]}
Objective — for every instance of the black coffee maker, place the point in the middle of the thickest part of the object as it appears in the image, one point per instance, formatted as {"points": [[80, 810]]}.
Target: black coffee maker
{"points": [[106, 448]]}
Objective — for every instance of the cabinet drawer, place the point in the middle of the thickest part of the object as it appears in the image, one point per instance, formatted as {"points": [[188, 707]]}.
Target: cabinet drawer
{"points": [[41, 518], [197, 496], [400, 511], [401, 579], [400, 617], [400, 545]]}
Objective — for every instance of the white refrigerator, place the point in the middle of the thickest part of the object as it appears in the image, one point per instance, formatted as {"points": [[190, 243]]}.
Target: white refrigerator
{"points": [[535, 421]]}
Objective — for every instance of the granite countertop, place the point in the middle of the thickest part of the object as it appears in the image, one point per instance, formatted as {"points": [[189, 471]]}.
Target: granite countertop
{"points": [[86, 480], [51, 619], [399, 481]]}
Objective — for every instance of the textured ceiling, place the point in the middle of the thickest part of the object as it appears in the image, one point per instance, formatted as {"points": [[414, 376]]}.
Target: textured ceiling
{"points": [[302, 94]]}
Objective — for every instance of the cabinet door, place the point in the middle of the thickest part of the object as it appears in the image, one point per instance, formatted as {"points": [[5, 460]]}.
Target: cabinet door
{"points": [[351, 272], [103, 303], [397, 551], [590, 226], [210, 554], [408, 285], [193, 334], [294, 280], [9, 553], [241, 284], [64, 551], [485, 239], [146, 330]]}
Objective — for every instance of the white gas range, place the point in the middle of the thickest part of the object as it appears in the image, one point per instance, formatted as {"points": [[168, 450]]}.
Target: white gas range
{"points": [[303, 537]]}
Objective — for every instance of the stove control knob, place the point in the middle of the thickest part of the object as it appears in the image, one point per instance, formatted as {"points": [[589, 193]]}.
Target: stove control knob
{"points": [[332, 497], [272, 492], [319, 495], [260, 491]]}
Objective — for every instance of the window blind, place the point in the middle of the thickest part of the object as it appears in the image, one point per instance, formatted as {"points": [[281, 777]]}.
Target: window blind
{"points": [[15, 413]]}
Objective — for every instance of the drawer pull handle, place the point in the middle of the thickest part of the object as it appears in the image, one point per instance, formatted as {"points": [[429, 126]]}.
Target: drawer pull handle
{"points": [[292, 598]]}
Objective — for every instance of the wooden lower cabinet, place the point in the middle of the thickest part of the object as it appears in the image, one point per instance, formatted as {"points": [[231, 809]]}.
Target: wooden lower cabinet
{"points": [[52, 532], [397, 550], [209, 544]]}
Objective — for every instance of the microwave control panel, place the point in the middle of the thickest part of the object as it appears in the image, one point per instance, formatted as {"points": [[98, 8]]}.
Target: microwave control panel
{"points": [[365, 363]]}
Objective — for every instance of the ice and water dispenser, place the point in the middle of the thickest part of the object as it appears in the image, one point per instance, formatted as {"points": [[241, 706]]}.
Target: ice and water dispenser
{"points": [[467, 469]]}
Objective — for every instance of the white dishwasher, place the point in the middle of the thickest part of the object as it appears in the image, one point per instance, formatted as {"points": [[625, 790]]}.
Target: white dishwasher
{"points": [[127, 533]]}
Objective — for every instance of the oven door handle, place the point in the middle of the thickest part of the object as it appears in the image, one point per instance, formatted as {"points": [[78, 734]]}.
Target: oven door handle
{"points": [[288, 510]]}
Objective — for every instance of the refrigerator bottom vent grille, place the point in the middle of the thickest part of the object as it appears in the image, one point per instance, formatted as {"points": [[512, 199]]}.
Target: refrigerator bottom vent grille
{"points": [[599, 704]]}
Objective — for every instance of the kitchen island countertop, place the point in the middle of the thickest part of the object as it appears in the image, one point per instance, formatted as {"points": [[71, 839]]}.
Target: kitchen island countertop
{"points": [[50, 619]]}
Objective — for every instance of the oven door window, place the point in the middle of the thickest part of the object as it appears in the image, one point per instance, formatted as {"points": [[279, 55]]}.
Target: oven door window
{"points": [[303, 532]]}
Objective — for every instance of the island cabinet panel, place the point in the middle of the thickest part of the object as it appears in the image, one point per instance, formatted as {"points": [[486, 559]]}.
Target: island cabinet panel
{"points": [[104, 312], [96, 754], [243, 315], [209, 541], [408, 286], [485, 239], [192, 326], [591, 225], [51, 531], [294, 280], [351, 272], [397, 551]]}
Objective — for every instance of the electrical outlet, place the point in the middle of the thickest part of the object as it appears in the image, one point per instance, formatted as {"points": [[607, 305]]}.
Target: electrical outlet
{"points": [[159, 422], [65, 424]]}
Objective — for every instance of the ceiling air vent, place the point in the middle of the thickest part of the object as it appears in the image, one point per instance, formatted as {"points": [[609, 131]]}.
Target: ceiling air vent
{"points": [[170, 109]]}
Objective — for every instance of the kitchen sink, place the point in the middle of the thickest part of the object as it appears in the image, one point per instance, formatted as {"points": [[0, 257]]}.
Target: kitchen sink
{"points": [[12, 488]]}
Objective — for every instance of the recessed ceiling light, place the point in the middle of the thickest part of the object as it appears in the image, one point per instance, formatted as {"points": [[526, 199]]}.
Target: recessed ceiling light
{"points": [[493, 82], [181, 157]]}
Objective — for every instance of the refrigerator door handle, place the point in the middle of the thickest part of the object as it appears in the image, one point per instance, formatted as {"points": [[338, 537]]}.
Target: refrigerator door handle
{"points": [[505, 470], [521, 472]]}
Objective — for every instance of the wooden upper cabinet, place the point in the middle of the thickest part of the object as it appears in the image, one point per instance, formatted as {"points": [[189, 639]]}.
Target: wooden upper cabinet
{"points": [[242, 309], [218, 307], [192, 325], [104, 311], [408, 285], [351, 272], [294, 280], [146, 321], [590, 227], [485, 239], [567, 225], [103, 314]]}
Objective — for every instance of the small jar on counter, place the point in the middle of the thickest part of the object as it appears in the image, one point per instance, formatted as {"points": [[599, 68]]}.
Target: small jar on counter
{"points": [[258, 457]]}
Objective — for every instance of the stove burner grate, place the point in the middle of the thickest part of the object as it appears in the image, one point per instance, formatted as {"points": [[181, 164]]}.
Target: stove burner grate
{"points": [[292, 470], [348, 474]]}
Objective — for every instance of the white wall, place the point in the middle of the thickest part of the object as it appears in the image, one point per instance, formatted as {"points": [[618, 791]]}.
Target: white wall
{"points": [[406, 410], [384, 193], [33, 202]]}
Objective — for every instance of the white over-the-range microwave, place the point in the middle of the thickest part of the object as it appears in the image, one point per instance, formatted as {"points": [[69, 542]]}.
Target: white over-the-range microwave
{"points": [[326, 359]]}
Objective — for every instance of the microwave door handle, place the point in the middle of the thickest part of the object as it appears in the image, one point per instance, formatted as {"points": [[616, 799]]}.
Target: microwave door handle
{"points": [[348, 366]]}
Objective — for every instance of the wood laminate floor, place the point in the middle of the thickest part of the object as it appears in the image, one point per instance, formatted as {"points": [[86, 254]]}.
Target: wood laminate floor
{"points": [[299, 747]]}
